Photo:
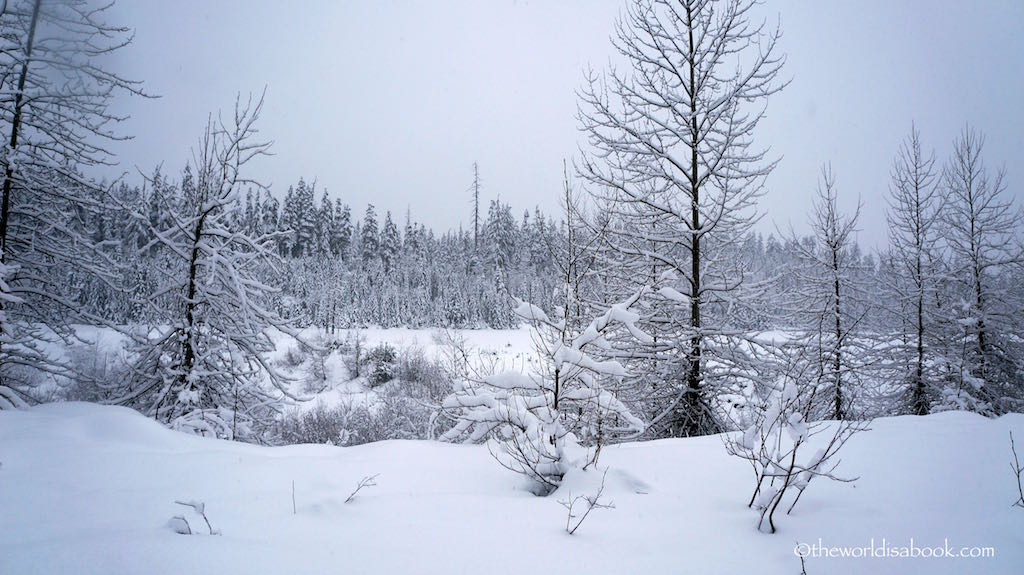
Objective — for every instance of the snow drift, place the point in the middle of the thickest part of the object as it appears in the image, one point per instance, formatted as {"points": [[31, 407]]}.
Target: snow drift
{"points": [[90, 489]]}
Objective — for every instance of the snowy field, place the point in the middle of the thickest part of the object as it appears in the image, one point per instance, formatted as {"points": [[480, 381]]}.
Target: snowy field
{"points": [[90, 489]]}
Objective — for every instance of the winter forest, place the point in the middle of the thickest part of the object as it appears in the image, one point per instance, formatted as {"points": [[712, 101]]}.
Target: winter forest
{"points": [[201, 371]]}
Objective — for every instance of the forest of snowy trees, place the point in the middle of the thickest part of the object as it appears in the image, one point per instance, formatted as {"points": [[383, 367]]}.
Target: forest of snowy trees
{"points": [[340, 270], [663, 305]]}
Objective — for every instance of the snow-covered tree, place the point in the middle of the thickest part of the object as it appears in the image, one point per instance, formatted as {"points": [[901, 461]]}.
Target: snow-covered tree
{"points": [[674, 165], [914, 209], [390, 243], [828, 305], [55, 122], [324, 228], [203, 367], [341, 233], [983, 230], [369, 237]]}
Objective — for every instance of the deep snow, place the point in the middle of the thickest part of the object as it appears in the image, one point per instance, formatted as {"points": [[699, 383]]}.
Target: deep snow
{"points": [[89, 489]]}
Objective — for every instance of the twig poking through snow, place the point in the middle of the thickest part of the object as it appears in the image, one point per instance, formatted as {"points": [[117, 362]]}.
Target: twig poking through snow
{"points": [[368, 481], [1018, 470], [293, 497], [592, 502]]}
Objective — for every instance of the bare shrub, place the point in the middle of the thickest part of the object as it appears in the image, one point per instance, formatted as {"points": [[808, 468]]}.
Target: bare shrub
{"points": [[320, 424], [776, 438], [295, 355]]}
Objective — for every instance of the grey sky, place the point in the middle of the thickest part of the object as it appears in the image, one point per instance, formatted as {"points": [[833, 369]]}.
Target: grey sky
{"points": [[391, 102]]}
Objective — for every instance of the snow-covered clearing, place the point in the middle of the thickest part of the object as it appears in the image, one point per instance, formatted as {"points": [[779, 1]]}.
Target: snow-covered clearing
{"points": [[90, 489]]}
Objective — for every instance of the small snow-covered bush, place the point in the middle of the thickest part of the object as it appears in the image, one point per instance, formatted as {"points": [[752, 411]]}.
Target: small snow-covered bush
{"points": [[776, 439], [352, 349], [316, 372], [180, 524], [294, 356], [320, 424], [381, 361], [402, 408], [541, 425]]}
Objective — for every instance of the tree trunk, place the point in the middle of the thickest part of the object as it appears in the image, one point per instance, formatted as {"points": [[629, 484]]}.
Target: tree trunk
{"points": [[837, 363], [188, 345], [696, 342]]}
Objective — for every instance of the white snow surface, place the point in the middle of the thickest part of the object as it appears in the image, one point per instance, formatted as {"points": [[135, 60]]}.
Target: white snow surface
{"points": [[90, 489]]}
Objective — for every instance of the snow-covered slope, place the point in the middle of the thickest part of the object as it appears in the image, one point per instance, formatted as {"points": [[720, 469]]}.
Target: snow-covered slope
{"points": [[89, 489]]}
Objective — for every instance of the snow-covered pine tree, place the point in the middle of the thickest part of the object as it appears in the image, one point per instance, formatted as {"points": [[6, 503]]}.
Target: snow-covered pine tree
{"points": [[203, 367], [390, 243], [55, 122], [325, 226], [674, 166], [249, 219], [500, 236], [305, 219], [341, 233], [369, 237], [288, 223]]}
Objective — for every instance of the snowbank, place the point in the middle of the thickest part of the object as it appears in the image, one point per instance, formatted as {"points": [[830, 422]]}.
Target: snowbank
{"points": [[89, 489]]}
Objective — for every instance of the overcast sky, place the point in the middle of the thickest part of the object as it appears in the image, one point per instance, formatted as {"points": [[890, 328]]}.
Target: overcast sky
{"points": [[391, 102]]}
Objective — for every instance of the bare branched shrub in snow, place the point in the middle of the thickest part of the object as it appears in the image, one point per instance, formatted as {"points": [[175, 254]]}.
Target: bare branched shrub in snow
{"points": [[319, 424], [353, 348], [403, 408], [785, 450], [96, 371], [579, 507]]}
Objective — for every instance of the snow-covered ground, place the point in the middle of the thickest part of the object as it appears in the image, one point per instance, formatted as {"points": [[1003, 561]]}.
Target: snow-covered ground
{"points": [[90, 489]]}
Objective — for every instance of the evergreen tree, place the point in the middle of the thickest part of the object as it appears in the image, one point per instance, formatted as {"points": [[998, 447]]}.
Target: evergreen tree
{"points": [[325, 226], [369, 236], [390, 243], [341, 233]]}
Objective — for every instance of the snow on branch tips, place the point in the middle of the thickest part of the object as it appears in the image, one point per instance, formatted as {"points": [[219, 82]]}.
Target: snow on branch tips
{"points": [[775, 440], [542, 424], [204, 367]]}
